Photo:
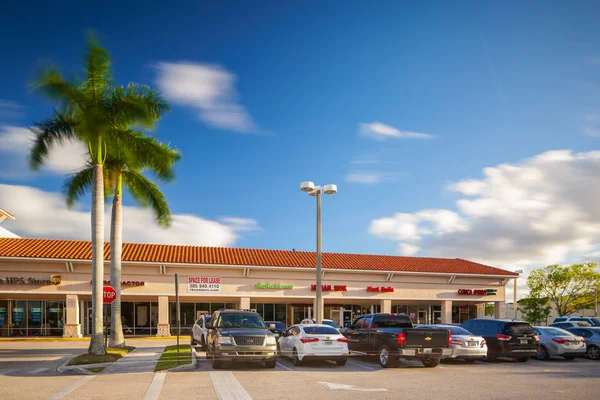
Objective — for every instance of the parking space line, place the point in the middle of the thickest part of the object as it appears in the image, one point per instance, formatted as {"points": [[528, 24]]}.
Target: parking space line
{"points": [[37, 371], [155, 387], [227, 387], [65, 391], [284, 367]]}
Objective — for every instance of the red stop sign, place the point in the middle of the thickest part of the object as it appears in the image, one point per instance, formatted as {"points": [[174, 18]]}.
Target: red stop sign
{"points": [[108, 294]]}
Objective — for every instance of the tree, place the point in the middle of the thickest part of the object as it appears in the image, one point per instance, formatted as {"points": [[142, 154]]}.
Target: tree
{"points": [[93, 111], [490, 309], [535, 310], [566, 287], [124, 166]]}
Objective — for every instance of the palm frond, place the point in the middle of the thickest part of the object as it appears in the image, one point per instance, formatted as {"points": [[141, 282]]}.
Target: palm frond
{"points": [[135, 105], [55, 130], [97, 67], [148, 194], [51, 84], [78, 184]]}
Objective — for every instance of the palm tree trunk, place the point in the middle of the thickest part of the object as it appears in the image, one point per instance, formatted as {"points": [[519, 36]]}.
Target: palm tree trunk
{"points": [[97, 342], [116, 245]]}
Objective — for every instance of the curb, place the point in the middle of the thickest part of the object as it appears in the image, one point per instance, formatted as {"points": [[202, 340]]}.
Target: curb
{"points": [[185, 367], [79, 369], [59, 339]]}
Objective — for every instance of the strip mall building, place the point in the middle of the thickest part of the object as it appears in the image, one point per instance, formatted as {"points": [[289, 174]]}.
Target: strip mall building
{"points": [[45, 287]]}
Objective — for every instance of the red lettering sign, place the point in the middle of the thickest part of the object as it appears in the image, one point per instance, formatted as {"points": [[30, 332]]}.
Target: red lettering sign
{"points": [[372, 289]]}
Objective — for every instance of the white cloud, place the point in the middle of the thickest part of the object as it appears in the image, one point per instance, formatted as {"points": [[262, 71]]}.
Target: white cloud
{"points": [[594, 132], [15, 143], [371, 177], [43, 214], [540, 211], [210, 89], [379, 131]]}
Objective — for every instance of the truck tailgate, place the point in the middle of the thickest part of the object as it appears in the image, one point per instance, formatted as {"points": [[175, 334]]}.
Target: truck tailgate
{"points": [[426, 338]]}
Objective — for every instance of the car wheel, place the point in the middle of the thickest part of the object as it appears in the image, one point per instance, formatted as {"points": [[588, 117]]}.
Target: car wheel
{"points": [[208, 353], [202, 344], [341, 361], [271, 363], [593, 353], [522, 359], [295, 360], [385, 359], [542, 353], [569, 358], [431, 363], [470, 360], [216, 364]]}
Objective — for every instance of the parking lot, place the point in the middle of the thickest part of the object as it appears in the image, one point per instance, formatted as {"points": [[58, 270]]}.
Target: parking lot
{"points": [[28, 371]]}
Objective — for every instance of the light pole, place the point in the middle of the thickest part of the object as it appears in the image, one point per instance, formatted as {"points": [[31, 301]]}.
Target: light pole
{"points": [[519, 271], [317, 191], [595, 301]]}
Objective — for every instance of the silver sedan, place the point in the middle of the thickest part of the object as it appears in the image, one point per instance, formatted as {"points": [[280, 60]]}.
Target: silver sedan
{"points": [[557, 342], [465, 345]]}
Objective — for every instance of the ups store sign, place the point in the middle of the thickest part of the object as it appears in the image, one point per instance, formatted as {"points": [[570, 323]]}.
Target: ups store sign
{"points": [[17, 280]]}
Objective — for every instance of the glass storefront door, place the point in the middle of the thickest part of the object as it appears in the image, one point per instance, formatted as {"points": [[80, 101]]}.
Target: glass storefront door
{"points": [[31, 318]]}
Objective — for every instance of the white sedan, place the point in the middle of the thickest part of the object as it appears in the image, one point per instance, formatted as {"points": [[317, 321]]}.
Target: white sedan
{"points": [[465, 345], [322, 342]]}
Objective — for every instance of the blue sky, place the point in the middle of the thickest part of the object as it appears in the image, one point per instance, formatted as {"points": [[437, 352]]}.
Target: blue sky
{"points": [[492, 83]]}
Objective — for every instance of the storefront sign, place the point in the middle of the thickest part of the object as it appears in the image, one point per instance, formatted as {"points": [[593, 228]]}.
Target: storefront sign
{"points": [[15, 280], [260, 285], [378, 289], [477, 292], [125, 283], [52, 309], [330, 288], [204, 284]]}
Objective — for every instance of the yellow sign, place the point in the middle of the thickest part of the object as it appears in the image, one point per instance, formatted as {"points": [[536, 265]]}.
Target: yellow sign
{"points": [[55, 279]]}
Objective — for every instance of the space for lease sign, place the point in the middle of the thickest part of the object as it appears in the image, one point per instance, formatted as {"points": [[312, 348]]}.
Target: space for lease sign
{"points": [[204, 284]]}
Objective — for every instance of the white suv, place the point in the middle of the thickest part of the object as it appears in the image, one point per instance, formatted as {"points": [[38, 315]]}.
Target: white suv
{"points": [[199, 331], [593, 321]]}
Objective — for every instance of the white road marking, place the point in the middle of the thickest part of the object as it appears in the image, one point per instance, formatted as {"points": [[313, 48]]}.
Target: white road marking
{"points": [[363, 366], [70, 388], [227, 387], [284, 367], [155, 387], [7, 371], [341, 386], [37, 371]]}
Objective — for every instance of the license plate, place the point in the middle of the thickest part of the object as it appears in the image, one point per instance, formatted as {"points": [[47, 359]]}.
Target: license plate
{"points": [[426, 351], [327, 342], [523, 341], [471, 344]]}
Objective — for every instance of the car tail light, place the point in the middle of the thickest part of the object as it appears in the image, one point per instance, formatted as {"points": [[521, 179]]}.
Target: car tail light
{"points": [[343, 339], [309, 339], [502, 337], [450, 341], [455, 341], [482, 343], [402, 338], [561, 341]]}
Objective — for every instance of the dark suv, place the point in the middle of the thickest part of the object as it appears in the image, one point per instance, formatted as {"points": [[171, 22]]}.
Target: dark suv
{"points": [[239, 336], [505, 338]]}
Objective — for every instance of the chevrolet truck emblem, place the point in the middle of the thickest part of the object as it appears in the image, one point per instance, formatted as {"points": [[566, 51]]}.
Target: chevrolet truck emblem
{"points": [[428, 338]]}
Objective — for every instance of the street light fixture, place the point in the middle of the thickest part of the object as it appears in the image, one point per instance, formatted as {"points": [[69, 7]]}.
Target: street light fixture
{"points": [[317, 191], [519, 271]]}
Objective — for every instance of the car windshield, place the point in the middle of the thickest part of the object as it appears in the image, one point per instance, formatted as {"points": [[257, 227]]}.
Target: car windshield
{"points": [[207, 320], [392, 321], [582, 323], [278, 325], [320, 330], [331, 323], [557, 332], [595, 321], [241, 321], [455, 330], [519, 329]]}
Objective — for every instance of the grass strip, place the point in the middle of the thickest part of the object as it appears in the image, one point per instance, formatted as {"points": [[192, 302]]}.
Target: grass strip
{"points": [[168, 358], [95, 369], [112, 354]]}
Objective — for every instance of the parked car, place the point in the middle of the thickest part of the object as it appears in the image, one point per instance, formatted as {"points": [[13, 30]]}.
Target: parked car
{"points": [[323, 342], [570, 324], [329, 322], [593, 321], [591, 336], [392, 336], [199, 332], [465, 345], [556, 342], [276, 327], [239, 336], [505, 338]]}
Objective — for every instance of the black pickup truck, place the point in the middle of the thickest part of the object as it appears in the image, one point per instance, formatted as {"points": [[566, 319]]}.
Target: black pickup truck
{"points": [[392, 336]]}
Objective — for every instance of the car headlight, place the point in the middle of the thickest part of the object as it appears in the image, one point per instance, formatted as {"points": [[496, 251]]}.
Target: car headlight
{"points": [[224, 340], [271, 340]]}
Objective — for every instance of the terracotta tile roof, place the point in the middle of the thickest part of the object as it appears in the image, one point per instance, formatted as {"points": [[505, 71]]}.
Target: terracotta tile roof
{"points": [[176, 254]]}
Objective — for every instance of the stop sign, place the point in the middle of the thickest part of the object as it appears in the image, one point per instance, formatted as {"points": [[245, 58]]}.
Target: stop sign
{"points": [[108, 294]]}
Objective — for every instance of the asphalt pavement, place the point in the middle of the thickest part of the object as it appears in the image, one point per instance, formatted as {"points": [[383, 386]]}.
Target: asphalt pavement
{"points": [[28, 371]]}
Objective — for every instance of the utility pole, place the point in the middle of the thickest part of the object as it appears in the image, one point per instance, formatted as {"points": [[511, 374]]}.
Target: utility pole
{"points": [[596, 301]]}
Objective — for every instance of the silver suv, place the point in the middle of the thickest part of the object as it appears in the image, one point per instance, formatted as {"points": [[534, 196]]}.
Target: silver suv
{"points": [[593, 321], [239, 336]]}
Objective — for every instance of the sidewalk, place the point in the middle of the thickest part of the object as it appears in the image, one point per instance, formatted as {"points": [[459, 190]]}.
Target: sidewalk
{"points": [[139, 360]]}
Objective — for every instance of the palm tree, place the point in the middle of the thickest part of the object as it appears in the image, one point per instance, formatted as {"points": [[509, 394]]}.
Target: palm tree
{"points": [[92, 110], [124, 167]]}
